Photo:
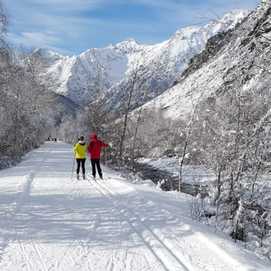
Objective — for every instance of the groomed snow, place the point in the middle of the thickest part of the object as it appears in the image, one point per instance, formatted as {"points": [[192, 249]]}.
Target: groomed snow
{"points": [[51, 222]]}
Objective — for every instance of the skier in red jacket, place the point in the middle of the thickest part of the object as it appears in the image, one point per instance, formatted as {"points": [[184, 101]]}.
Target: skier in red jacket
{"points": [[94, 149]]}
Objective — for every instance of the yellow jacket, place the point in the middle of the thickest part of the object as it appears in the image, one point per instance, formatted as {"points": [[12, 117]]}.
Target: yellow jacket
{"points": [[80, 150]]}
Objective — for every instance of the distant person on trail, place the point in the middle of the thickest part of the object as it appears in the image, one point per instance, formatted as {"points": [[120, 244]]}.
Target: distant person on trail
{"points": [[80, 150], [94, 149]]}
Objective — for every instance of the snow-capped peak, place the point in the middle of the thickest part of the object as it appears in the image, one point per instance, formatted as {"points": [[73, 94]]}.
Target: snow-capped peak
{"points": [[114, 64], [186, 32], [237, 14], [46, 53], [128, 46], [230, 19]]}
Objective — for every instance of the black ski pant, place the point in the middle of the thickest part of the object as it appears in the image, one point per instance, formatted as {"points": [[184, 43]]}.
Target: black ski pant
{"points": [[96, 163], [81, 162]]}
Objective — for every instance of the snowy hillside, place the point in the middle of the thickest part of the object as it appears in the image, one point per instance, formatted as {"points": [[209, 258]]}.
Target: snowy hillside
{"points": [[51, 222], [238, 62], [81, 78], [218, 115]]}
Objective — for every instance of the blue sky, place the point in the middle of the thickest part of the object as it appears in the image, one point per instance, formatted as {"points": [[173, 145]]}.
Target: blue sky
{"points": [[73, 26]]}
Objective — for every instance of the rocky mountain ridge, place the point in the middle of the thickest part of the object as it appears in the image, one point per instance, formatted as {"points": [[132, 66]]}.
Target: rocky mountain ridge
{"points": [[233, 60], [108, 70]]}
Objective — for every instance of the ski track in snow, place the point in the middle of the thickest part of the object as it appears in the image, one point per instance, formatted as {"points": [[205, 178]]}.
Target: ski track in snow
{"points": [[49, 222], [158, 248], [173, 246]]}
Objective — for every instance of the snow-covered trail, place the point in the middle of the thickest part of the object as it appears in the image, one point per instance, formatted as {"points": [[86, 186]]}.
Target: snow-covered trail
{"points": [[49, 222]]}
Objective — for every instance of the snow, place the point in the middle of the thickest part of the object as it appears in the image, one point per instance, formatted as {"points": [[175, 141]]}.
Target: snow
{"points": [[49, 221], [181, 100], [74, 76], [47, 54]]}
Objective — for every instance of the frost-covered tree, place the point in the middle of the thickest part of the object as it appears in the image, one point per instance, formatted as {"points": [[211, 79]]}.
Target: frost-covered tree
{"points": [[25, 103], [234, 137]]}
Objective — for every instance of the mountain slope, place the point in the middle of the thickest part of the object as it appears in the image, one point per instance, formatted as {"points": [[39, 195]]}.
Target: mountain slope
{"points": [[108, 70], [235, 60], [218, 115]]}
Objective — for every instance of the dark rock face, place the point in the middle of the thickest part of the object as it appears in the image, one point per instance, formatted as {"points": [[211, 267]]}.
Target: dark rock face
{"points": [[247, 44], [213, 46]]}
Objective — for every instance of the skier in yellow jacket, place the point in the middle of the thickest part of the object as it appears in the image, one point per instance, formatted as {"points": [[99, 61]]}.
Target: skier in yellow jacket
{"points": [[80, 150]]}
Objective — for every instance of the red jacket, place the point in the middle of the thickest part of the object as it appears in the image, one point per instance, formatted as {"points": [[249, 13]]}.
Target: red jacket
{"points": [[95, 146]]}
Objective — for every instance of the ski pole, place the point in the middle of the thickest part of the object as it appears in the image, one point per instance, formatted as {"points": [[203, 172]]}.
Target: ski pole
{"points": [[73, 164]]}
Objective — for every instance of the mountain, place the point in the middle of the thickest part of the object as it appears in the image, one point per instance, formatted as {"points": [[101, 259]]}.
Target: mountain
{"points": [[218, 115], [48, 56], [236, 60], [109, 70]]}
